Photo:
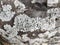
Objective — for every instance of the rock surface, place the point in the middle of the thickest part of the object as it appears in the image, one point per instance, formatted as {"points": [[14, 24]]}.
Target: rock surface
{"points": [[29, 22]]}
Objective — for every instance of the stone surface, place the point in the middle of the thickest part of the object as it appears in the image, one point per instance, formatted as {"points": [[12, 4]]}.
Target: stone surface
{"points": [[34, 22]]}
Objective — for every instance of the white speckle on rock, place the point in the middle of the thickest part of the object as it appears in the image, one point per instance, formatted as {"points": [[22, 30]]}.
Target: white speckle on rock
{"points": [[52, 2], [25, 38], [52, 34], [44, 43], [20, 5], [26, 23], [6, 14], [6, 7], [41, 35]]}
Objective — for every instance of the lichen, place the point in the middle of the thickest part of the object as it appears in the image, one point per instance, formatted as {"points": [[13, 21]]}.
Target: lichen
{"points": [[24, 23], [51, 3], [6, 14], [21, 7]]}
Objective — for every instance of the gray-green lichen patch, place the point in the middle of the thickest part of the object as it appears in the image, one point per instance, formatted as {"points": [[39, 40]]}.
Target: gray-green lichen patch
{"points": [[6, 14]]}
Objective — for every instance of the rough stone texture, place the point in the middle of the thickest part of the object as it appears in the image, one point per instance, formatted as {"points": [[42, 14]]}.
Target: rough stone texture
{"points": [[46, 18]]}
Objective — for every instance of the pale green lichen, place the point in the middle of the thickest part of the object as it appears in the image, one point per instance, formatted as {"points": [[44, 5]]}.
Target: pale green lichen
{"points": [[6, 14]]}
